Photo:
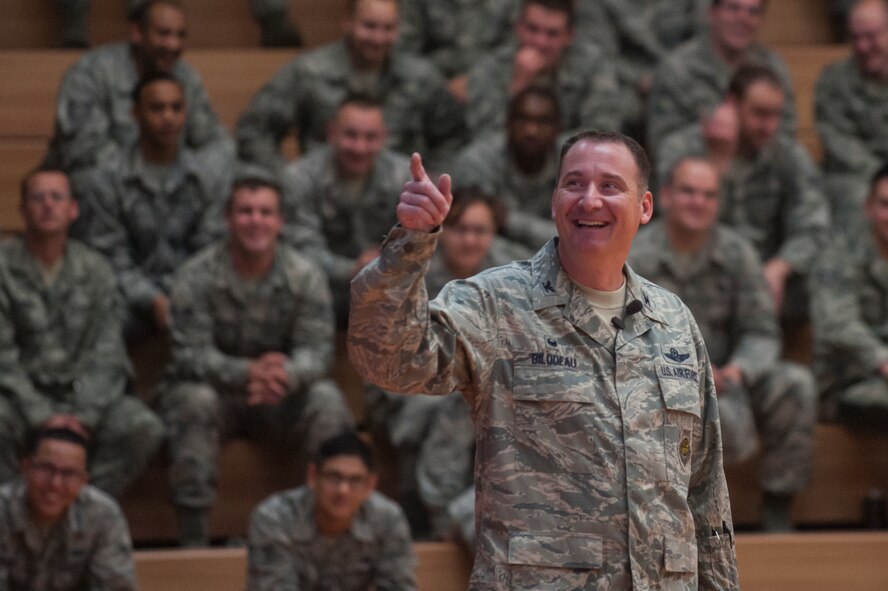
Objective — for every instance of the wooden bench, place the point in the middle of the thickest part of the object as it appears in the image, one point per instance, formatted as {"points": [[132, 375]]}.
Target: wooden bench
{"points": [[847, 465], [797, 562], [441, 567], [227, 23], [211, 23]]}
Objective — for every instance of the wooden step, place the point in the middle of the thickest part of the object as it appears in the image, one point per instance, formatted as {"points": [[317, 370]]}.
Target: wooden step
{"points": [[797, 562]]}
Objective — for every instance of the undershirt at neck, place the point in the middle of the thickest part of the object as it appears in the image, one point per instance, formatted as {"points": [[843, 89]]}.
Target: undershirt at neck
{"points": [[606, 304]]}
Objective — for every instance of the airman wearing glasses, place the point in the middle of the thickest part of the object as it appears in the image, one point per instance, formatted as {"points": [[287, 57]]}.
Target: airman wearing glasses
{"points": [[59, 533], [334, 533]]}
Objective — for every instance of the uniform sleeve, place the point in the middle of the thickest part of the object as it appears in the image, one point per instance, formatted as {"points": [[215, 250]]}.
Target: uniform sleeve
{"points": [[202, 126], [411, 32], [667, 112], [270, 562], [840, 329], [271, 114], [788, 122], [443, 122], [313, 330], [758, 346], [396, 570], [195, 354], [304, 229], [82, 128], [708, 489], [111, 566], [486, 100], [837, 127], [102, 367], [600, 108], [14, 381], [106, 232], [400, 342], [444, 466], [806, 220]]}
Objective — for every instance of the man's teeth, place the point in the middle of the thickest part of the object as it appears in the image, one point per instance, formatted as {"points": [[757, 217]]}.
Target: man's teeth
{"points": [[591, 224]]}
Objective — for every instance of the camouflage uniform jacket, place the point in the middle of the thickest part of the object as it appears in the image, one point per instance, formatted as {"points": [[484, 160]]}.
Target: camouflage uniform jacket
{"points": [[452, 34], [586, 84], [594, 469], [692, 80], [145, 230], [94, 108], [220, 322], [724, 288], [61, 347], [324, 224], [849, 311], [287, 553], [852, 120], [486, 164], [637, 33], [775, 200], [89, 549], [420, 114]]}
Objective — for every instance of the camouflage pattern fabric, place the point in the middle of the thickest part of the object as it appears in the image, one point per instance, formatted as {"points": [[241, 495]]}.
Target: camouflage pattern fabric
{"points": [[586, 84], [286, 552], [94, 112], [598, 460], [691, 81], [221, 323], [724, 287], [89, 549], [420, 113], [62, 351]]}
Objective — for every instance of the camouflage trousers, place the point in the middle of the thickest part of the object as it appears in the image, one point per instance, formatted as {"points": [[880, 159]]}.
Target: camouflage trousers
{"points": [[777, 415], [445, 468], [198, 418], [847, 194], [124, 441], [405, 422]]}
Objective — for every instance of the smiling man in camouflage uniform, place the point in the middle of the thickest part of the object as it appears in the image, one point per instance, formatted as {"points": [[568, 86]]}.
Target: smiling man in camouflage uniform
{"points": [[252, 330], [598, 461]]}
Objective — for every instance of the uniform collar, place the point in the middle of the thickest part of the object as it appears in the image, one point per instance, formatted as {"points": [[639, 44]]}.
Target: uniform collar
{"points": [[552, 287]]}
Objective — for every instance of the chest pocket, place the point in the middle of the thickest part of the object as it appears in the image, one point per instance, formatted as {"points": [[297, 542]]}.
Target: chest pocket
{"points": [[553, 419], [681, 399]]}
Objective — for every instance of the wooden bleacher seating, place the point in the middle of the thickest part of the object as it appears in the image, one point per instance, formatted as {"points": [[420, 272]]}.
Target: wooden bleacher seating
{"points": [[227, 23], [441, 567], [847, 466], [794, 562], [211, 23]]}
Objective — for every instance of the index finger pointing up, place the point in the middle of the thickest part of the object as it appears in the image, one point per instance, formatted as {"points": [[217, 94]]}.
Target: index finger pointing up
{"points": [[417, 169]]}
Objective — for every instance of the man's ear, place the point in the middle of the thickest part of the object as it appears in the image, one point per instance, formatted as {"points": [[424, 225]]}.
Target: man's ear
{"points": [[647, 207]]}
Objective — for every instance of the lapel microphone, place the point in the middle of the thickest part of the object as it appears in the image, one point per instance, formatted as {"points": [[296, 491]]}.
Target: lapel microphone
{"points": [[634, 307]]}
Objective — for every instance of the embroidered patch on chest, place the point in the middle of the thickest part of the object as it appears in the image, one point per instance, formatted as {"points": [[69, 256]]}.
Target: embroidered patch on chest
{"points": [[680, 354]]}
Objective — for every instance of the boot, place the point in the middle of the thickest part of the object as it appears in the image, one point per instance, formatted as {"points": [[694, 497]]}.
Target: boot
{"points": [[777, 513], [194, 527]]}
